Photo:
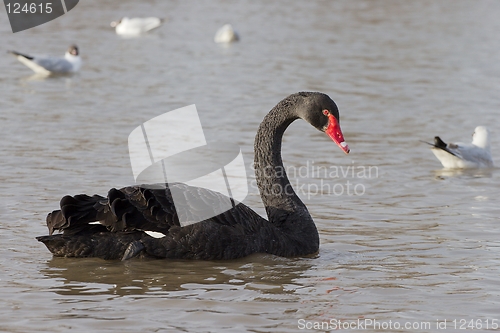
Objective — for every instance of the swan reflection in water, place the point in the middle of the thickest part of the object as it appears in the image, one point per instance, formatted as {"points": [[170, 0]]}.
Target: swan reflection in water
{"points": [[260, 273]]}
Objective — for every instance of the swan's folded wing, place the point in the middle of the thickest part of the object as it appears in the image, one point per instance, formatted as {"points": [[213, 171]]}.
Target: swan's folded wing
{"points": [[153, 207], [141, 208], [192, 204], [149, 208]]}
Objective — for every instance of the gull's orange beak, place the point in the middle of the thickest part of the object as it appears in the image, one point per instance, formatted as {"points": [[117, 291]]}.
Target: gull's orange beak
{"points": [[335, 133]]}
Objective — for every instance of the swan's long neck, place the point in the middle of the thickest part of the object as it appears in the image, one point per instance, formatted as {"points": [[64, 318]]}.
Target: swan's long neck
{"points": [[279, 198]]}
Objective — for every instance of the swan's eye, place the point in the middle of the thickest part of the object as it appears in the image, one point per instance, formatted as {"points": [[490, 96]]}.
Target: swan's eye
{"points": [[326, 112]]}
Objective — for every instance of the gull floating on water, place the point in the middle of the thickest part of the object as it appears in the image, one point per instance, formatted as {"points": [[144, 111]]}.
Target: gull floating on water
{"points": [[465, 155], [136, 25], [226, 34], [52, 65]]}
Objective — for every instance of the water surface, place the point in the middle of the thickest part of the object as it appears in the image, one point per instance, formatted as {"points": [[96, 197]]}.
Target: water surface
{"points": [[401, 239]]}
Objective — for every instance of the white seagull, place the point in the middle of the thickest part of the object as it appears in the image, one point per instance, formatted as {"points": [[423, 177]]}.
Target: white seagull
{"points": [[462, 155], [136, 25], [226, 34], [52, 65]]}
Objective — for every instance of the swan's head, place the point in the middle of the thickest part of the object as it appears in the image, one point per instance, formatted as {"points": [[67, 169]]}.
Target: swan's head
{"points": [[480, 137], [321, 111]]}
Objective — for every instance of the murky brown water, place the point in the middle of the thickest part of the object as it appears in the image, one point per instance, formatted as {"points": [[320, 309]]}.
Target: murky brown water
{"points": [[401, 240]]}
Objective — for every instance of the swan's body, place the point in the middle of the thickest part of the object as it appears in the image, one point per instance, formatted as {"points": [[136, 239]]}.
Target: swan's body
{"points": [[136, 25], [226, 34], [127, 213], [465, 155], [52, 65]]}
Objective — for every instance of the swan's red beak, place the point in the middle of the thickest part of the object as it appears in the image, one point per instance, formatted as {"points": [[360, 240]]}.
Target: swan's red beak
{"points": [[335, 133]]}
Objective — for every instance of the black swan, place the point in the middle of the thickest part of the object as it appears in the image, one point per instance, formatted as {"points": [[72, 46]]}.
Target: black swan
{"points": [[126, 214]]}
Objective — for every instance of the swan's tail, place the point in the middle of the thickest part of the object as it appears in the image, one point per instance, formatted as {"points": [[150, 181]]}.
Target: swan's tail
{"points": [[95, 241]]}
